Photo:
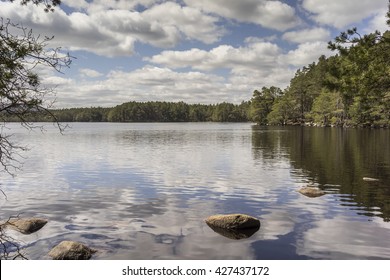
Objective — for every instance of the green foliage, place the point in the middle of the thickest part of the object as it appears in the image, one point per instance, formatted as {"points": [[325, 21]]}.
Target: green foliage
{"points": [[146, 112], [364, 76], [328, 109], [261, 103], [227, 112], [284, 111], [349, 88]]}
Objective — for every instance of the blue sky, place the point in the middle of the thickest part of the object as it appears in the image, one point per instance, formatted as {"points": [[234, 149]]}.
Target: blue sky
{"points": [[197, 51]]}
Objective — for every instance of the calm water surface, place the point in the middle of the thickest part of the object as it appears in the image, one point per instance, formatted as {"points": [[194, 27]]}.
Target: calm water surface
{"points": [[142, 191]]}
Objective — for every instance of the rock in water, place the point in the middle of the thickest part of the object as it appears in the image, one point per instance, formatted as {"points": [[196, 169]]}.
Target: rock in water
{"points": [[311, 191], [232, 221], [70, 250], [235, 234], [27, 226]]}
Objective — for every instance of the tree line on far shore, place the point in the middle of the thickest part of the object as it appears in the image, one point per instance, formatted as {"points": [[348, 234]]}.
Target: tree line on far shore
{"points": [[178, 112], [152, 111]]}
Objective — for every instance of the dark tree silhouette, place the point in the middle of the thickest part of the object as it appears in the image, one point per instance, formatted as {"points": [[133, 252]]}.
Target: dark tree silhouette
{"points": [[48, 4], [22, 93]]}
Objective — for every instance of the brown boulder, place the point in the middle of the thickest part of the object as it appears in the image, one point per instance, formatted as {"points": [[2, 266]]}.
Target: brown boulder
{"points": [[233, 221], [70, 250], [26, 226], [311, 192], [235, 234]]}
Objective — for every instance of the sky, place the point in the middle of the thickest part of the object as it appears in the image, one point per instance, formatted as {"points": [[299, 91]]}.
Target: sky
{"points": [[196, 51]]}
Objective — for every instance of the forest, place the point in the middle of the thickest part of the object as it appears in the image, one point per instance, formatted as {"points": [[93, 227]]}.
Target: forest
{"points": [[350, 88], [151, 111]]}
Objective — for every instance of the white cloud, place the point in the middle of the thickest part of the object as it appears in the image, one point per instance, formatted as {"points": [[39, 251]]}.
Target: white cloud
{"points": [[258, 58], [307, 35], [277, 223], [179, 59], [103, 5], [253, 40], [146, 84], [77, 31], [377, 23], [113, 32], [270, 14], [76, 4], [251, 66], [90, 73], [254, 65], [351, 236], [306, 53], [253, 56], [162, 25], [278, 76], [55, 81], [341, 14], [229, 71], [135, 26], [190, 21]]}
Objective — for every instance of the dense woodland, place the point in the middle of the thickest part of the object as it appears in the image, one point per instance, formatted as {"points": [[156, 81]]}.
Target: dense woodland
{"points": [[350, 88], [148, 112]]}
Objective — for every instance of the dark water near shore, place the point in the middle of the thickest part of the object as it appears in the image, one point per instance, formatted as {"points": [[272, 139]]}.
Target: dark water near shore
{"points": [[142, 191]]}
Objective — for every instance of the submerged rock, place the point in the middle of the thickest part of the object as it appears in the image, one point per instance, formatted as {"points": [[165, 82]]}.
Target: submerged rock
{"points": [[235, 234], [70, 250], [233, 221], [26, 226], [368, 179], [311, 191]]}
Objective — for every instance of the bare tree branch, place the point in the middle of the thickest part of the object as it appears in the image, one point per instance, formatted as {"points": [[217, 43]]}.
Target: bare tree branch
{"points": [[21, 91], [22, 94], [48, 4]]}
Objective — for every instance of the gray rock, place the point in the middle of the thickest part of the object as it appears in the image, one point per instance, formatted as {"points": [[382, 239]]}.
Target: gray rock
{"points": [[70, 250], [26, 226], [233, 221], [311, 192]]}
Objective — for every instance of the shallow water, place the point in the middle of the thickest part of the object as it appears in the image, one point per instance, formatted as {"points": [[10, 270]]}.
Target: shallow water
{"points": [[143, 191]]}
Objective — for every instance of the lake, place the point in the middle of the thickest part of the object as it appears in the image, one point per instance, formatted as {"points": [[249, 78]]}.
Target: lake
{"points": [[143, 190]]}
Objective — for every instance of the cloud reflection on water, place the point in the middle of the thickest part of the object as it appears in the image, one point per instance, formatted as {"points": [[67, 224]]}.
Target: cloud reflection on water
{"points": [[142, 191]]}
